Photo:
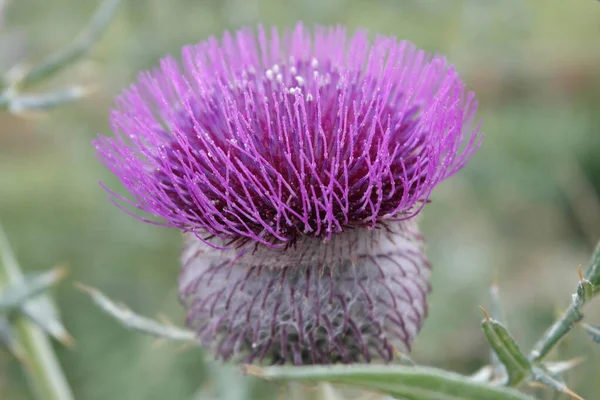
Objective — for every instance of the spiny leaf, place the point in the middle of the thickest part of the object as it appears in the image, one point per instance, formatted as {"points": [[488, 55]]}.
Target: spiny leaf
{"points": [[16, 294], [573, 314], [508, 352], [43, 312], [78, 49], [41, 309], [412, 383], [9, 340], [43, 368], [593, 331], [542, 377], [558, 367], [32, 103], [135, 322], [486, 373]]}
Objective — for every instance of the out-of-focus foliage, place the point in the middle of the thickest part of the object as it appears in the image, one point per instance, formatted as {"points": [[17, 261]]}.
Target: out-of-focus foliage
{"points": [[526, 209]]}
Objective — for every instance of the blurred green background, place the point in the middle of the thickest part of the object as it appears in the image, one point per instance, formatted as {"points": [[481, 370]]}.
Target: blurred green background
{"points": [[526, 209]]}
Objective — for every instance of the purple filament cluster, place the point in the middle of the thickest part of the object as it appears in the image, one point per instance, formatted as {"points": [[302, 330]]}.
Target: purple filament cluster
{"points": [[270, 137]]}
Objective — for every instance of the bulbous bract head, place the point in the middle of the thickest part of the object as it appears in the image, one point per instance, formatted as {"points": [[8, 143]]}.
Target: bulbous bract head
{"points": [[295, 164], [359, 297], [270, 138]]}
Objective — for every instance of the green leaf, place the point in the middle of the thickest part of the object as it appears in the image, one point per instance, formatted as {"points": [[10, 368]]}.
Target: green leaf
{"points": [[508, 352], [407, 382], [136, 322], [15, 295]]}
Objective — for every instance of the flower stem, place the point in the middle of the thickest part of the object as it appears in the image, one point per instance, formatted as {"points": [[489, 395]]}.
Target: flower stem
{"points": [[42, 366]]}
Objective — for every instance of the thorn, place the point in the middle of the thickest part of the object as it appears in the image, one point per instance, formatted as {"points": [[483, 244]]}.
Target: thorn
{"points": [[571, 393], [85, 288], [574, 362], [402, 357], [61, 272], [494, 285], [580, 273], [485, 313], [67, 340]]}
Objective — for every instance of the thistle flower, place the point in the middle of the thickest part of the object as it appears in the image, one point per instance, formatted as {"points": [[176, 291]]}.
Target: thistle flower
{"points": [[295, 164]]}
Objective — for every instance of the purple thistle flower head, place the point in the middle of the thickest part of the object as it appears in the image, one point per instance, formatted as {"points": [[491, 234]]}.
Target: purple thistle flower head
{"points": [[295, 164]]}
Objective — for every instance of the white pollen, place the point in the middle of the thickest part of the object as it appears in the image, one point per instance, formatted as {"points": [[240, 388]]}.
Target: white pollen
{"points": [[293, 70], [279, 78], [314, 63], [309, 97], [300, 80], [269, 74], [276, 68], [315, 74]]}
